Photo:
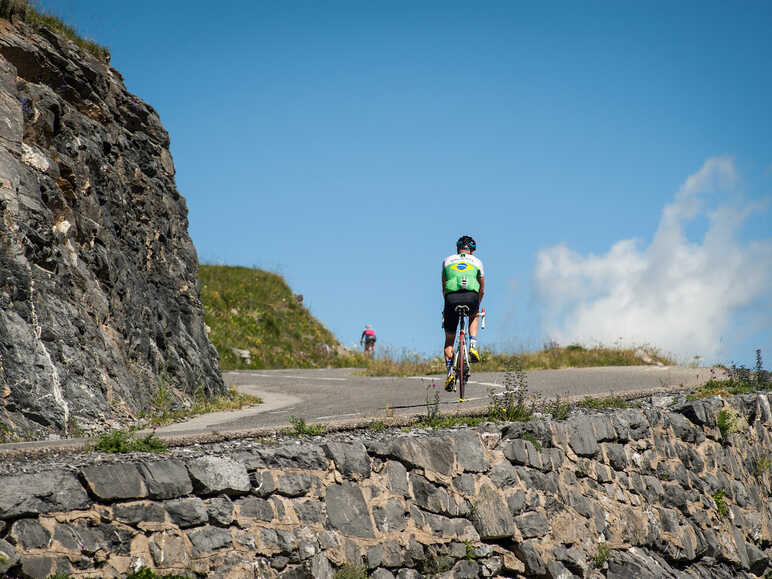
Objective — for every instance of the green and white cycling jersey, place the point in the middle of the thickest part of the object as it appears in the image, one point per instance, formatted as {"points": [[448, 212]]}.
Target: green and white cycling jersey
{"points": [[462, 272]]}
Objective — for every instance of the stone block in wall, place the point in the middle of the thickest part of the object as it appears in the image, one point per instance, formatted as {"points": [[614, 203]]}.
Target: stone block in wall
{"points": [[531, 557], [309, 511], [213, 475], [581, 437], [390, 517], [45, 566], [491, 516], [169, 549], [702, 412], [48, 492], [301, 456], [253, 508], [433, 454], [187, 512], [396, 475], [207, 539], [114, 482], [532, 524], [503, 475], [347, 511], [9, 556], [165, 479], [263, 483], [630, 424], [220, 510], [464, 483], [469, 451], [350, 458], [428, 496], [292, 484], [30, 534], [139, 512]]}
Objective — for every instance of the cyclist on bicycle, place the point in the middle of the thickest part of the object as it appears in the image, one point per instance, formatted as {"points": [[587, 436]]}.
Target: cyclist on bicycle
{"points": [[463, 283], [368, 340]]}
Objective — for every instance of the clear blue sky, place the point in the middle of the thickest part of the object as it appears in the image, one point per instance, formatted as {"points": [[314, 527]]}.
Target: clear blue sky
{"points": [[612, 159]]}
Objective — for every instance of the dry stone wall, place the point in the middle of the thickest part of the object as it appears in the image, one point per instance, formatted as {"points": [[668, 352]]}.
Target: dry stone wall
{"points": [[99, 298], [651, 492]]}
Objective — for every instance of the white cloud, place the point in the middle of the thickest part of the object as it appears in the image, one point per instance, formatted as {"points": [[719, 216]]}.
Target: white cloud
{"points": [[679, 295]]}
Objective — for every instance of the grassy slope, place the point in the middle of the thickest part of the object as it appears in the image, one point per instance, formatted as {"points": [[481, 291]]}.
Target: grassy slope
{"points": [[23, 10], [254, 310]]}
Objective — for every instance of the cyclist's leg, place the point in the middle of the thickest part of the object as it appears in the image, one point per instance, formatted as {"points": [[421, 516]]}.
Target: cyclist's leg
{"points": [[474, 320]]}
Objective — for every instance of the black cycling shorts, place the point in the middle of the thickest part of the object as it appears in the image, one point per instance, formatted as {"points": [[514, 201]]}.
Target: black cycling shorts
{"points": [[369, 339], [459, 298]]}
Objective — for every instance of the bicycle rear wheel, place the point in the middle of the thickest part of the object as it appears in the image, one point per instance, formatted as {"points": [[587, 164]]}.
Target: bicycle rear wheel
{"points": [[460, 376]]}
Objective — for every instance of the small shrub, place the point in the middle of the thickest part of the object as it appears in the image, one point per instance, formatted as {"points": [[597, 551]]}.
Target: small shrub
{"points": [[601, 556], [719, 499], [377, 426], [512, 405], [469, 552], [728, 422], [557, 408], [121, 442], [351, 571], [532, 439], [300, 428], [761, 464]]}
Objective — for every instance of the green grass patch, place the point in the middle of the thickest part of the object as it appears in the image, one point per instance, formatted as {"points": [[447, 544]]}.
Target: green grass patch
{"points": [[122, 441], [377, 426], [554, 357], [351, 571], [255, 311], [734, 380], [532, 439], [300, 428], [37, 19]]}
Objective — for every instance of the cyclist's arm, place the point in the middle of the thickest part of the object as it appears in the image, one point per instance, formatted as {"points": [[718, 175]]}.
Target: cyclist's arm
{"points": [[443, 283], [482, 287]]}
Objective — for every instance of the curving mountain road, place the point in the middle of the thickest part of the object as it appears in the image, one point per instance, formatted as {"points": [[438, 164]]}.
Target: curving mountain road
{"points": [[339, 395]]}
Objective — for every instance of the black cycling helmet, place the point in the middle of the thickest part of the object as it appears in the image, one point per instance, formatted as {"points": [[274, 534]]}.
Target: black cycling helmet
{"points": [[466, 241]]}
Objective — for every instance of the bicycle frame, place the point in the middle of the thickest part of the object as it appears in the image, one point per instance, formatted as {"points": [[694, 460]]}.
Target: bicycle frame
{"points": [[461, 360]]}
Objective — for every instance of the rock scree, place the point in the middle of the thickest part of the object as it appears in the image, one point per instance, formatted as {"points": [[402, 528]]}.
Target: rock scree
{"points": [[664, 492], [99, 299]]}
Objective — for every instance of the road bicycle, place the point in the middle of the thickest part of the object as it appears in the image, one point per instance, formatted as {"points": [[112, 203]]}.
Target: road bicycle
{"points": [[461, 356]]}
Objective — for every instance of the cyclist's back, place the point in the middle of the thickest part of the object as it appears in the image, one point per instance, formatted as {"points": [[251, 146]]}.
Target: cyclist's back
{"points": [[463, 283]]}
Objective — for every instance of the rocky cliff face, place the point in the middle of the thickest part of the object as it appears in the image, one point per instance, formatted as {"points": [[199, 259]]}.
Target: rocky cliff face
{"points": [[99, 299]]}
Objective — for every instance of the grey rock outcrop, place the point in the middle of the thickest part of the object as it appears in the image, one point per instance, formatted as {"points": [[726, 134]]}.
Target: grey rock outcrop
{"points": [[99, 298]]}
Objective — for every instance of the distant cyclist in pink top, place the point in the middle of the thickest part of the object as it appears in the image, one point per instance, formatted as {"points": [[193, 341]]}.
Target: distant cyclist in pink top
{"points": [[368, 339]]}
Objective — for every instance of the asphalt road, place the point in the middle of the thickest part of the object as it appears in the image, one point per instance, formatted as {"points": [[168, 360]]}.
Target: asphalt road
{"points": [[340, 395]]}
